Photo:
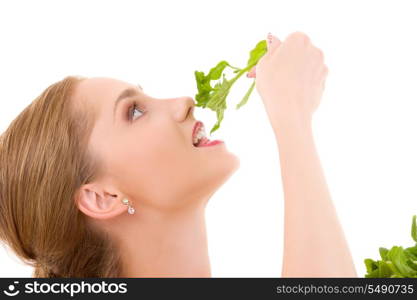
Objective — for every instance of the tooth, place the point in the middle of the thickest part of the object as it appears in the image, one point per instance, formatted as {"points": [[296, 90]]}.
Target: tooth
{"points": [[201, 133]]}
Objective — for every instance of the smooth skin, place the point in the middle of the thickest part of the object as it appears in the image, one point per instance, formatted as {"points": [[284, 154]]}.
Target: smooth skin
{"points": [[146, 154], [290, 79]]}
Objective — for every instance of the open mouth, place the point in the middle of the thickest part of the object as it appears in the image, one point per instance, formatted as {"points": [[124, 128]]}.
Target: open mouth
{"points": [[199, 137]]}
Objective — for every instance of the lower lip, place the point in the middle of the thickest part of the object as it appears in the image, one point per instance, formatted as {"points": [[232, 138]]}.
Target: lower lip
{"points": [[211, 143]]}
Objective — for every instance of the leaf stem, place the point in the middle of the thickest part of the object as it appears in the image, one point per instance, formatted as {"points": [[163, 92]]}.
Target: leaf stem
{"points": [[241, 72]]}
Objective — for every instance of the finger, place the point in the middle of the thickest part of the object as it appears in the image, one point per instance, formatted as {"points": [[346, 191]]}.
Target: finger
{"points": [[325, 72], [272, 43], [252, 73]]}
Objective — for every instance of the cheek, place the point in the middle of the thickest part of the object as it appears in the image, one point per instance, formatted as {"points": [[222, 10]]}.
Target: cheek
{"points": [[157, 167], [163, 171]]}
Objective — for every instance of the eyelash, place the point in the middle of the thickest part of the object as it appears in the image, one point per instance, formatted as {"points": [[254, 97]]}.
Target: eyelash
{"points": [[132, 107]]}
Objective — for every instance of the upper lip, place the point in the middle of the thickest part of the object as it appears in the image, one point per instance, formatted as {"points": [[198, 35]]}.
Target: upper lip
{"points": [[197, 126]]}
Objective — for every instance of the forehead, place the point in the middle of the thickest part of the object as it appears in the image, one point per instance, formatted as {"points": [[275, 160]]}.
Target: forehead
{"points": [[93, 99], [92, 93], [98, 89]]}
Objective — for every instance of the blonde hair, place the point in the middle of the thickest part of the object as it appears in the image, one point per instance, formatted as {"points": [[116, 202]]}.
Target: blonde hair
{"points": [[43, 162]]}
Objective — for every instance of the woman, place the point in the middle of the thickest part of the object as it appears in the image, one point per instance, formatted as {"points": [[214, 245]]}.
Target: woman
{"points": [[98, 179]]}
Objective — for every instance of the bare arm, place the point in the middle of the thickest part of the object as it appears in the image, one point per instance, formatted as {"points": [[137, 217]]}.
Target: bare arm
{"points": [[314, 243], [290, 79]]}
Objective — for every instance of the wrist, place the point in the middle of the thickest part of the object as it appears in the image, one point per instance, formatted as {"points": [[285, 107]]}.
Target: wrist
{"points": [[291, 123], [286, 114]]}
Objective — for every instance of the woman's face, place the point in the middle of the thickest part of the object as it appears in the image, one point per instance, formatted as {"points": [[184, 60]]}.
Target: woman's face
{"points": [[145, 146]]}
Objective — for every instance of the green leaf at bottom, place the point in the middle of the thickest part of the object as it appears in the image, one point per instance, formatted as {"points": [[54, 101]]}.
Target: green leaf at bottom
{"points": [[246, 97]]}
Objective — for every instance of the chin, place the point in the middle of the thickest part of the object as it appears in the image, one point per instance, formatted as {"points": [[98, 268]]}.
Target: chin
{"points": [[235, 161], [226, 168], [213, 173]]}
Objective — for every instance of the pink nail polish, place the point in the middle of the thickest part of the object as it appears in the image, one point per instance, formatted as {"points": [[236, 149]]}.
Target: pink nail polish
{"points": [[269, 38]]}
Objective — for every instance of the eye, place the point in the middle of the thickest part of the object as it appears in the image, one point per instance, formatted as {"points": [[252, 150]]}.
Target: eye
{"points": [[134, 112]]}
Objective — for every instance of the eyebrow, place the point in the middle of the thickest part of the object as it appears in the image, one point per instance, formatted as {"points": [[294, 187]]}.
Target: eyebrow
{"points": [[127, 93]]}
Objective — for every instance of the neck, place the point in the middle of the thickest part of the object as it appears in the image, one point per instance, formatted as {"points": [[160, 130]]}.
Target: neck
{"points": [[166, 245]]}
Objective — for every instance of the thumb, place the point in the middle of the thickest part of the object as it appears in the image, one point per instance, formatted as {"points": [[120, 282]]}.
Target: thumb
{"points": [[272, 43]]}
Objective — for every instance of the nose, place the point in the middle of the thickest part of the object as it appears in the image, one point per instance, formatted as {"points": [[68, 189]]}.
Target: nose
{"points": [[183, 107]]}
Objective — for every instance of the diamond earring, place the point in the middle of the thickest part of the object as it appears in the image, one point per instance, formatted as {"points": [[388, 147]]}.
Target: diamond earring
{"points": [[130, 209]]}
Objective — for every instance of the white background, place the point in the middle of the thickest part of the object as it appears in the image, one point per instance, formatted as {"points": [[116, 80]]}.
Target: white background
{"points": [[365, 128]]}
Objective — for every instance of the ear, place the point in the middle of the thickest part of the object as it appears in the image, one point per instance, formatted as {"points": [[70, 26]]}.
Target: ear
{"points": [[97, 203]]}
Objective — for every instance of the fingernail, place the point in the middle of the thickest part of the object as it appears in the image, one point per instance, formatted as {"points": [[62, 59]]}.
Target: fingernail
{"points": [[269, 37]]}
